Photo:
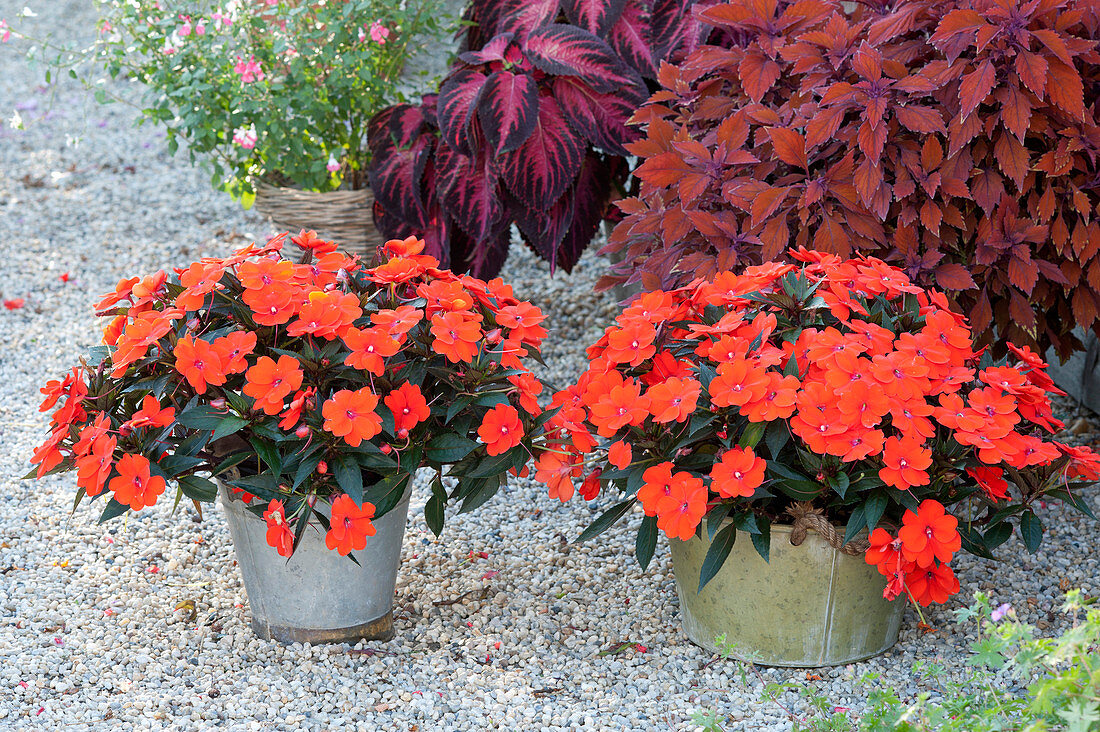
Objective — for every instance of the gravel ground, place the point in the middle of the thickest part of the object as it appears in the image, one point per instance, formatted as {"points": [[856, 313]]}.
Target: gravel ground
{"points": [[89, 634]]}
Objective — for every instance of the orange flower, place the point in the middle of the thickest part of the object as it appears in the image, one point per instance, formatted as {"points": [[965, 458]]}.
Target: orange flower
{"points": [[406, 247], [94, 468], [666, 366], [369, 349], [144, 331], [932, 584], [500, 429], [134, 485], [655, 486], [631, 342], [679, 513], [777, 402], [444, 296], [408, 406], [456, 335], [991, 480], [954, 414], [349, 525], [262, 274], [738, 383], [199, 280], [673, 400], [619, 406], [274, 305], [398, 322], [739, 473], [930, 534], [326, 315], [151, 415], [855, 444], [906, 462], [885, 552], [556, 470], [863, 402], [528, 388], [233, 347], [523, 321], [620, 455], [351, 415], [48, 456], [293, 412], [279, 534], [269, 382], [199, 363], [310, 242]]}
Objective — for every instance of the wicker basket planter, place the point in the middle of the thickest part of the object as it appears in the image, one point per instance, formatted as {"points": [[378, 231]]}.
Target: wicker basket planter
{"points": [[340, 216]]}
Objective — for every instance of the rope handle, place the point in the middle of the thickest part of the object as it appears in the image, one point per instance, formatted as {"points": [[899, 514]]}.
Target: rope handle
{"points": [[807, 517]]}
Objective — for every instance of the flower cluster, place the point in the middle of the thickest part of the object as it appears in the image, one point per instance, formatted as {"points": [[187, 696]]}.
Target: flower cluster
{"points": [[301, 380], [215, 73], [837, 383]]}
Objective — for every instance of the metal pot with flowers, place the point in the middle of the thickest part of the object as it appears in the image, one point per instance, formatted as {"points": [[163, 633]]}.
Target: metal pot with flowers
{"points": [[816, 441], [307, 393]]}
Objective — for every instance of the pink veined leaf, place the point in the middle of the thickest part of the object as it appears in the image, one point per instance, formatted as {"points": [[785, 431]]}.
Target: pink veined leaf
{"points": [[491, 51], [458, 100], [540, 169], [508, 108], [523, 16], [544, 229], [565, 50], [595, 16], [675, 29], [469, 189], [396, 174], [629, 37], [591, 192], [599, 118]]}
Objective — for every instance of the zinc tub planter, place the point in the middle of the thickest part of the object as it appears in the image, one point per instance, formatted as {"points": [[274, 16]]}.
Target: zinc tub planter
{"points": [[317, 596], [809, 606]]}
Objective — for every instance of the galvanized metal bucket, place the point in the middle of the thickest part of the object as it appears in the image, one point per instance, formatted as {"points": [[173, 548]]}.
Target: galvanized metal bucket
{"points": [[809, 606], [317, 596]]}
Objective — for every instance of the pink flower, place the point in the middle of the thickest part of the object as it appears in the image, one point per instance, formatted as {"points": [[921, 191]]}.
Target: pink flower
{"points": [[245, 137], [200, 28], [362, 35], [221, 19], [1002, 610], [249, 70], [333, 164], [5, 32], [185, 29], [378, 32]]}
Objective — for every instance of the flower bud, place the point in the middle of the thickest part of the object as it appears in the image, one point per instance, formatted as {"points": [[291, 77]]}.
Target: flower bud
{"points": [[402, 433], [124, 430], [218, 403], [302, 432], [322, 467], [493, 336], [193, 324], [722, 434], [325, 362], [386, 449], [311, 501]]}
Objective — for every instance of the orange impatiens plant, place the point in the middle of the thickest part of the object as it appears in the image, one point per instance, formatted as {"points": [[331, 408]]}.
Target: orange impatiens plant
{"points": [[298, 382], [832, 386]]}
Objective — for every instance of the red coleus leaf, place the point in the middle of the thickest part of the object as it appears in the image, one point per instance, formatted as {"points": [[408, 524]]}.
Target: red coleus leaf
{"points": [[663, 170], [975, 87], [1011, 157], [757, 73], [952, 276], [1065, 88], [591, 194], [565, 50], [1023, 274], [766, 203], [595, 16], [508, 107], [1032, 69], [920, 119], [494, 50], [540, 169], [458, 103], [1015, 110], [790, 146]]}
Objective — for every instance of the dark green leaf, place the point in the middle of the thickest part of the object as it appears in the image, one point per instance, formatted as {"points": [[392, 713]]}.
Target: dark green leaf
{"points": [[839, 483], [1031, 531], [269, 454], [486, 489], [349, 477], [972, 541], [776, 437], [997, 535], [646, 541], [857, 522], [716, 555], [606, 519], [762, 542], [716, 516], [874, 507], [457, 406], [449, 448], [497, 464], [751, 435], [228, 426], [198, 489], [112, 510], [201, 417]]}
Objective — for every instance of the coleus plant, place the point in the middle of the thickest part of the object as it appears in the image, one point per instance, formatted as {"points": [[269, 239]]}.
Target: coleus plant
{"points": [[300, 384], [837, 387], [529, 128], [955, 139]]}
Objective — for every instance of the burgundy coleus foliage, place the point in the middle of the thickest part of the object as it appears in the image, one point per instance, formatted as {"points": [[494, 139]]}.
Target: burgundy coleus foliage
{"points": [[529, 128], [956, 139]]}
